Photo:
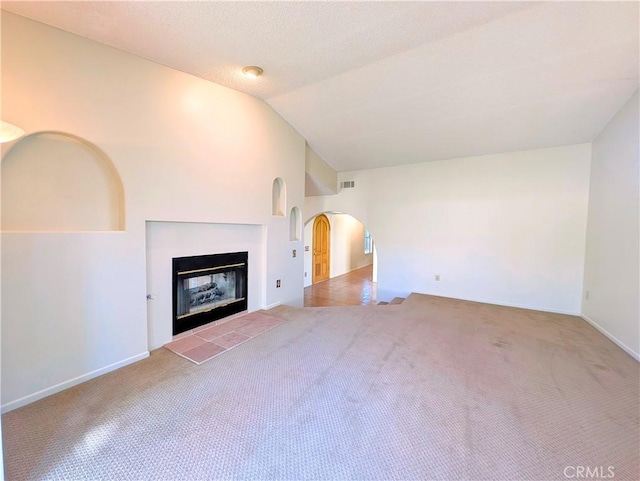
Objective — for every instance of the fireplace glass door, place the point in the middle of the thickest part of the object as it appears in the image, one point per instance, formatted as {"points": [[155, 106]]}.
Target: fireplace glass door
{"points": [[207, 288]]}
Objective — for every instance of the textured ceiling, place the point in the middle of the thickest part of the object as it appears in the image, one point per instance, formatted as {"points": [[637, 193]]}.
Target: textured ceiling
{"points": [[370, 84]]}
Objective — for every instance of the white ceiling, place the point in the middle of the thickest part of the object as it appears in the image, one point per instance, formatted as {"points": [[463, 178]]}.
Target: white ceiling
{"points": [[372, 84]]}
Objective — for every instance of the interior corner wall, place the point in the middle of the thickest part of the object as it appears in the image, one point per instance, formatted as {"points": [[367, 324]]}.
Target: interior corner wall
{"points": [[324, 177], [612, 279], [506, 229], [187, 151]]}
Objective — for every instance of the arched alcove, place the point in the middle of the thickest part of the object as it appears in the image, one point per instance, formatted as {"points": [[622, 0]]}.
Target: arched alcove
{"points": [[58, 182], [279, 197], [295, 224]]}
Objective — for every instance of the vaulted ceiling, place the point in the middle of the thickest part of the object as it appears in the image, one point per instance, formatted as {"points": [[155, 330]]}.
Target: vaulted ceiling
{"points": [[372, 84]]}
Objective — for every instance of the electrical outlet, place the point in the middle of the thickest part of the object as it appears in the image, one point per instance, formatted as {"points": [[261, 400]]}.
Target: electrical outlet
{"points": [[294, 253], [586, 295], [437, 277], [305, 274], [278, 283]]}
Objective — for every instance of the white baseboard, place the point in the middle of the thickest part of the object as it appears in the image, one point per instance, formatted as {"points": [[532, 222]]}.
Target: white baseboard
{"points": [[613, 338], [271, 306], [525, 306], [23, 401], [499, 303]]}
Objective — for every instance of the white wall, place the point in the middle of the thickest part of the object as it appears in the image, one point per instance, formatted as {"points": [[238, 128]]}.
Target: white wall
{"points": [[307, 236], [1, 447], [320, 178], [42, 166], [186, 150], [612, 260], [347, 246], [506, 229], [70, 310]]}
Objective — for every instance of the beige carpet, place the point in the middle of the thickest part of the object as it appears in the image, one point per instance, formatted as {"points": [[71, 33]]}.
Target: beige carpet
{"points": [[430, 389]]}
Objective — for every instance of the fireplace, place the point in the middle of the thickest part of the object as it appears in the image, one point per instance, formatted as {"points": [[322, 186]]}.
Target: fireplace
{"points": [[207, 288]]}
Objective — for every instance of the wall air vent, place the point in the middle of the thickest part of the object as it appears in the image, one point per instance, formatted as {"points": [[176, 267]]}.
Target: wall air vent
{"points": [[347, 184]]}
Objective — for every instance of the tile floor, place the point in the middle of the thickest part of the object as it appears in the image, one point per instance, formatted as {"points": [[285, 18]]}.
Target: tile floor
{"points": [[354, 288], [206, 342]]}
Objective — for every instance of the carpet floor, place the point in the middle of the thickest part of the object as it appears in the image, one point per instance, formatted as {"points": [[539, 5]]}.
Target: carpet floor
{"points": [[433, 388]]}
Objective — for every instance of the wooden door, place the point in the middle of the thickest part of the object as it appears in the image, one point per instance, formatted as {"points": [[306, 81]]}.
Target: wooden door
{"points": [[321, 249]]}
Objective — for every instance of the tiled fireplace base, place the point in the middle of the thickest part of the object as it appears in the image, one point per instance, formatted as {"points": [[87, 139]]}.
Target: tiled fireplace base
{"points": [[211, 340]]}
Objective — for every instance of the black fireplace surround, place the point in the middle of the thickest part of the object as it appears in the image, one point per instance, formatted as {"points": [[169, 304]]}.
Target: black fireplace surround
{"points": [[207, 288]]}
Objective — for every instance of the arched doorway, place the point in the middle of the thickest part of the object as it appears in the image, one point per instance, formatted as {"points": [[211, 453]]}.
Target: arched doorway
{"points": [[321, 249], [352, 263]]}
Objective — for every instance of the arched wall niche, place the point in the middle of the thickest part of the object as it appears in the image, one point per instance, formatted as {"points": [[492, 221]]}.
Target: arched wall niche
{"points": [[278, 197], [295, 224], [59, 182]]}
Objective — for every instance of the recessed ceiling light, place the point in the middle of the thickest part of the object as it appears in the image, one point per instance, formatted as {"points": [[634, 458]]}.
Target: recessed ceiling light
{"points": [[252, 72]]}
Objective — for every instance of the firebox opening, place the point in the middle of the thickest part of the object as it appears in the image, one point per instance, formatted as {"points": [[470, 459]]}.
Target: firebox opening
{"points": [[207, 288]]}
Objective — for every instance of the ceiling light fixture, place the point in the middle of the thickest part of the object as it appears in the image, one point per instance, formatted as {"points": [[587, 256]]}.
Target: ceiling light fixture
{"points": [[252, 72], [9, 132]]}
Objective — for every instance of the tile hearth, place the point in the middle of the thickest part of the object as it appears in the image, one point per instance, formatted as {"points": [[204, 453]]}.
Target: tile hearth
{"points": [[206, 342]]}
